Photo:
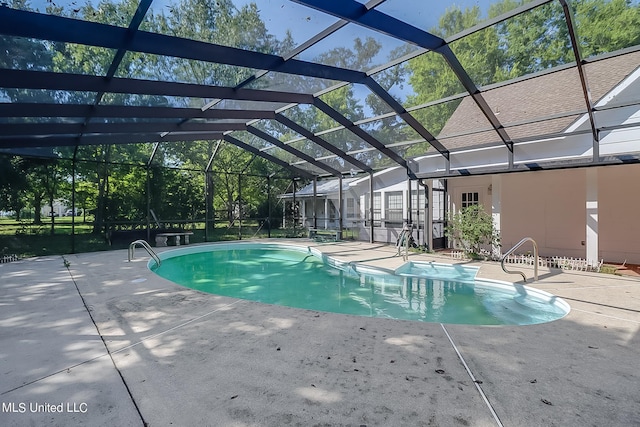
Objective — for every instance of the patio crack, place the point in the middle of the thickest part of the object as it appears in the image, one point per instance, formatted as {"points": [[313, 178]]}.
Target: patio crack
{"points": [[473, 378], [124, 382]]}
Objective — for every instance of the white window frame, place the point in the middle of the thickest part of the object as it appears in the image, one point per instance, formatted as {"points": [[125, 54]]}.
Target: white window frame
{"points": [[469, 198], [394, 207]]}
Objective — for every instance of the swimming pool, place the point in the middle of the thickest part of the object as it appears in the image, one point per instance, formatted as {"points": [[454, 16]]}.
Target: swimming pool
{"points": [[304, 277]]}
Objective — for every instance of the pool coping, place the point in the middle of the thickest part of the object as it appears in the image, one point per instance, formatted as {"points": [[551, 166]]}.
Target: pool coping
{"points": [[362, 268]]}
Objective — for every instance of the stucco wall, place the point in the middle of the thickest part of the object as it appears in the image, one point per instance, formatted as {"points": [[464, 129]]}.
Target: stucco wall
{"points": [[547, 206], [619, 213], [550, 207]]}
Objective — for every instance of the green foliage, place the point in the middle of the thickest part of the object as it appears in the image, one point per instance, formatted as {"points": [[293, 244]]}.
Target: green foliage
{"points": [[526, 43], [471, 228], [12, 183], [607, 25]]}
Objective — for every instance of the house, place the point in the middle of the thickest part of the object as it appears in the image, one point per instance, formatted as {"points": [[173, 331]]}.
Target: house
{"points": [[59, 208], [574, 197]]}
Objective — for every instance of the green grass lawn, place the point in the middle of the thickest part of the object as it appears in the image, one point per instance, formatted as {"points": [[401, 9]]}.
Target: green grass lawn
{"points": [[26, 239]]}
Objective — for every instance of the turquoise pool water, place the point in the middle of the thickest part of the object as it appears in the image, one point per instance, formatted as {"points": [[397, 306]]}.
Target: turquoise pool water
{"points": [[304, 278]]}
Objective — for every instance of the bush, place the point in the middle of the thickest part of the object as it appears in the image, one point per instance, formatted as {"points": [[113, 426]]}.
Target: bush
{"points": [[471, 228]]}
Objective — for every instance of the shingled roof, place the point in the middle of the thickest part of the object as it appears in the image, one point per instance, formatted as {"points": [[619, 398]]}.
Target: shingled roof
{"points": [[542, 105]]}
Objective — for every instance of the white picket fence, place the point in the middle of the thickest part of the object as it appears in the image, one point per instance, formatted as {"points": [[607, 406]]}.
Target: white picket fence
{"points": [[564, 263], [8, 258]]}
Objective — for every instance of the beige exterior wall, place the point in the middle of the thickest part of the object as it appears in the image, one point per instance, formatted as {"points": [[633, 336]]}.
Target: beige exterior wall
{"points": [[547, 206], [619, 213], [550, 207]]}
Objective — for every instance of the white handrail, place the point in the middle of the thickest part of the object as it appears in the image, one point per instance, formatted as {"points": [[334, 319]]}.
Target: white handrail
{"points": [[403, 241], [407, 237], [146, 246], [535, 261]]}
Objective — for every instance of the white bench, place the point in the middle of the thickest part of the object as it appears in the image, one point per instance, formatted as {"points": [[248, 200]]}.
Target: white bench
{"points": [[162, 238], [319, 232]]}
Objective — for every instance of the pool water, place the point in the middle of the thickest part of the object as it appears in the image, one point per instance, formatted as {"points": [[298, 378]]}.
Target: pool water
{"points": [[304, 278]]}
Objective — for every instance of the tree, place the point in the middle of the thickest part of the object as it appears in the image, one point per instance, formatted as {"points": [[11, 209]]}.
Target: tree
{"points": [[13, 183], [607, 25], [86, 196], [532, 41], [44, 177], [229, 162], [432, 78], [222, 24]]}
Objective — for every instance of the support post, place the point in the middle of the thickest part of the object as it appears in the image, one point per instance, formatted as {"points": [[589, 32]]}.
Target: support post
{"points": [[371, 239], [269, 207], [591, 243], [428, 211], [73, 200], [293, 208], [213, 210], [315, 200], [326, 212], [239, 207], [496, 208], [340, 205], [207, 209], [409, 216], [148, 216]]}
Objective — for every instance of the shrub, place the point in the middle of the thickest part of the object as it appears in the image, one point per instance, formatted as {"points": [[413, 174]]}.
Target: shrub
{"points": [[471, 228]]}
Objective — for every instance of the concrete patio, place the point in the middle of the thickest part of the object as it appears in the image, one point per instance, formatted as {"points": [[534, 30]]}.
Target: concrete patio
{"points": [[107, 342]]}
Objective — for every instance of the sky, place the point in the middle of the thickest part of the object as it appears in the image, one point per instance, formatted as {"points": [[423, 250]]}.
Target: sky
{"points": [[304, 22]]}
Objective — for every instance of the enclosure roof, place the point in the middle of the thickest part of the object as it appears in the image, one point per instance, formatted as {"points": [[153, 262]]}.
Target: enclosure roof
{"points": [[323, 188], [328, 88]]}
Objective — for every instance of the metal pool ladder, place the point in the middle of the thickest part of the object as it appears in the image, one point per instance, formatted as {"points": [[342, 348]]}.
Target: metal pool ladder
{"points": [[145, 245], [535, 259]]}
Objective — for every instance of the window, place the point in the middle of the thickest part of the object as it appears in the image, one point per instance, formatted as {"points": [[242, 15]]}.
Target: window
{"points": [[417, 205], [377, 209], [393, 211], [332, 206], [469, 199], [351, 208]]}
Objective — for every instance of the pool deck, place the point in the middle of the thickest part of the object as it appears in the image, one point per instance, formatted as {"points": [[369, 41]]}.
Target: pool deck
{"points": [[109, 343]]}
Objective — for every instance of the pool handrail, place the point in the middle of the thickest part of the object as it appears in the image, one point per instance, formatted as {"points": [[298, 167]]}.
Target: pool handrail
{"points": [[535, 260], [403, 242], [146, 246]]}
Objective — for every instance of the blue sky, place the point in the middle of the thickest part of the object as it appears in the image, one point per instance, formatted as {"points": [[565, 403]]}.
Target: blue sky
{"points": [[304, 22]]}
